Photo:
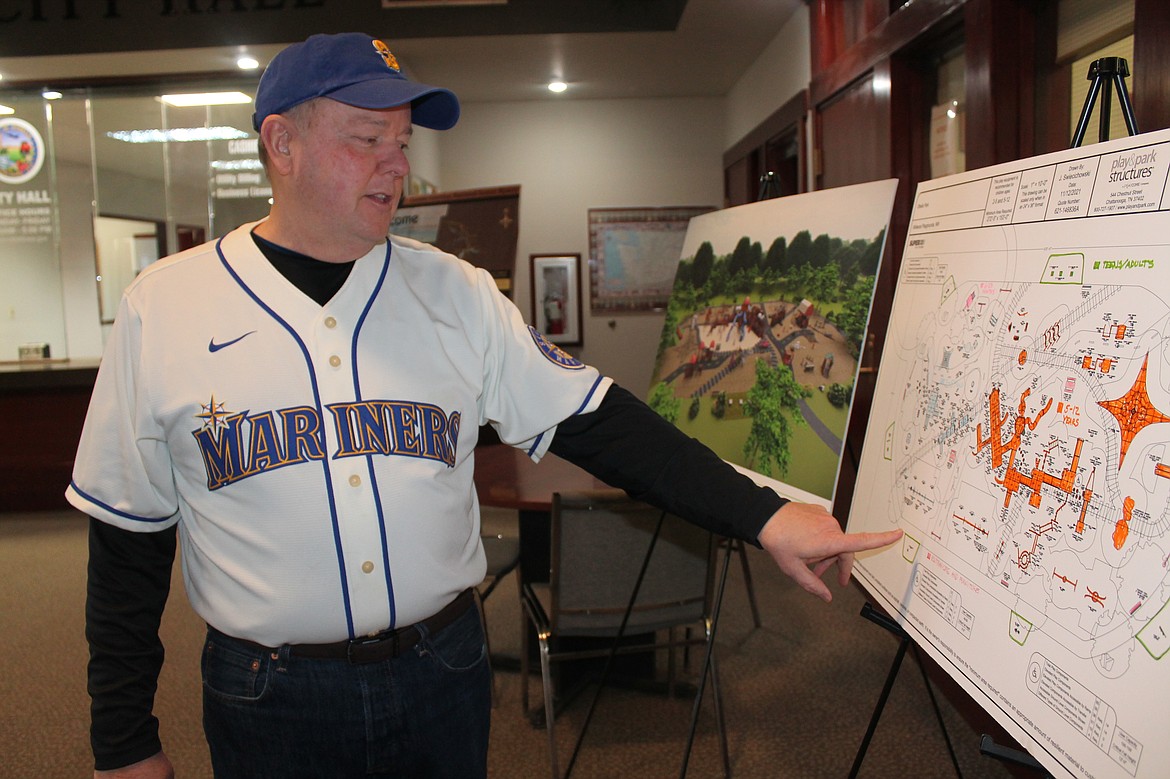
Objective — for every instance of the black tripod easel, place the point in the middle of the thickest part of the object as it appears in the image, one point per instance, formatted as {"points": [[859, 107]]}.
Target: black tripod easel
{"points": [[769, 187], [1106, 73], [873, 615]]}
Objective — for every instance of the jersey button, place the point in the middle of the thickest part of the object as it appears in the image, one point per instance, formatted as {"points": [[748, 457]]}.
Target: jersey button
{"points": [[355, 480], [330, 322], [334, 360], [367, 567]]}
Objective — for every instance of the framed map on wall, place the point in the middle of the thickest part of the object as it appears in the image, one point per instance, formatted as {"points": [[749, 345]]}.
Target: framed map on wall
{"points": [[633, 256]]}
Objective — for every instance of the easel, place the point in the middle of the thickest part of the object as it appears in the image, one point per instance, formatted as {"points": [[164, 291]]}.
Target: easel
{"points": [[904, 643], [769, 187], [1107, 73]]}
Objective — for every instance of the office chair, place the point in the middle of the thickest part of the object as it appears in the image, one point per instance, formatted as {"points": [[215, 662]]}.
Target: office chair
{"points": [[598, 547], [503, 557]]}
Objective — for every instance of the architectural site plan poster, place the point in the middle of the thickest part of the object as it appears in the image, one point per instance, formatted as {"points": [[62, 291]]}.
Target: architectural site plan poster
{"points": [[763, 331], [1019, 437]]}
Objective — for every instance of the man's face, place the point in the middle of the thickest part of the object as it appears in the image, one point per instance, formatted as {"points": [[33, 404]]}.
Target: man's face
{"points": [[348, 176]]}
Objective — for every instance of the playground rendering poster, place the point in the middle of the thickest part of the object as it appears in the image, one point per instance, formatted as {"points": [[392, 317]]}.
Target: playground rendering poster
{"points": [[761, 343]]}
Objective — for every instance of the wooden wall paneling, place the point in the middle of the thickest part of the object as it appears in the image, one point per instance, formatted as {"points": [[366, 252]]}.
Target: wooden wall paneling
{"points": [[1000, 71], [854, 134], [1053, 89], [902, 28], [1150, 84], [825, 26]]}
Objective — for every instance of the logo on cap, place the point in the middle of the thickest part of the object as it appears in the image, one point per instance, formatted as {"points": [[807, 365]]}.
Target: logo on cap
{"points": [[387, 57]]}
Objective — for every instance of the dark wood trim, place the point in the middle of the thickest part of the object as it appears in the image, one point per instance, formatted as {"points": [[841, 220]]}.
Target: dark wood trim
{"points": [[900, 29]]}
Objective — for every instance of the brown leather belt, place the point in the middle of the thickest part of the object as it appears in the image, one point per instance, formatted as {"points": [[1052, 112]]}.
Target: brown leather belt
{"points": [[385, 645]]}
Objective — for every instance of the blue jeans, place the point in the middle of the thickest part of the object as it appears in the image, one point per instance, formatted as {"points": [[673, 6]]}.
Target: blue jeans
{"points": [[425, 713]]}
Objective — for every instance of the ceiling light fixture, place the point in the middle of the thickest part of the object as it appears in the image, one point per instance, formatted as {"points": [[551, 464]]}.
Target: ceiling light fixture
{"points": [[557, 86], [178, 135], [52, 94], [205, 98], [247, 63], [5, 110]]}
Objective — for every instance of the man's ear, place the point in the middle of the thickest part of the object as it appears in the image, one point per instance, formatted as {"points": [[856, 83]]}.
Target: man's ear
{"points": [[276, 133]]}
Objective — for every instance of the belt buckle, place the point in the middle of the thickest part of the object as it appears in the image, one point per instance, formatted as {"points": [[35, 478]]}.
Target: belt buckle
{"points": [[360, 651]]}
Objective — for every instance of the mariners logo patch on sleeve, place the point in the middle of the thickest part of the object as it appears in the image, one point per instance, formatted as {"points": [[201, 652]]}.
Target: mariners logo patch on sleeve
{"points": [[554, 353]]}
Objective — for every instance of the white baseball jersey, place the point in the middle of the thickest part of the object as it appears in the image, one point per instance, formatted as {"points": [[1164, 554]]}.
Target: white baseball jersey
{"points": [[317, 459]]}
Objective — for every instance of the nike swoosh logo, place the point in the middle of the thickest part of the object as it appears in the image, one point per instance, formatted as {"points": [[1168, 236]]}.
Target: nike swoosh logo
{"points": [[213, 347]]}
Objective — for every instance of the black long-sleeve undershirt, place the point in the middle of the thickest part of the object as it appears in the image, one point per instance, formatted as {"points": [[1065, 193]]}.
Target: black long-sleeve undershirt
{"points": [[626, 444], [129, 582]]}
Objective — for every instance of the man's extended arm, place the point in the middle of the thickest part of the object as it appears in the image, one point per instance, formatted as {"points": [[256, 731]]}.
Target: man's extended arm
{"points": [[129, 581], [625, 444]]}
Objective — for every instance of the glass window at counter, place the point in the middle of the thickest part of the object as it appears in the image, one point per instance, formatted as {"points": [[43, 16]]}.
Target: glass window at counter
{"points": [[32, 323], [191, 170], [140, 179]]}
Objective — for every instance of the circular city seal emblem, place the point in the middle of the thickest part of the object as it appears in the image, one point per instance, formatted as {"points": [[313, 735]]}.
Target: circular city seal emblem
{"points": [[554, 353], [22, 151]]}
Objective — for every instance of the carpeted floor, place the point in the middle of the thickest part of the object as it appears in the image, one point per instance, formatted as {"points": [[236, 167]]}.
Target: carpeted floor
{"points": [[799, 691]]}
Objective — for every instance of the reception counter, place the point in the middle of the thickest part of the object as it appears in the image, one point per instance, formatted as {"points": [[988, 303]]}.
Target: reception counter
{"points": [[42, 409]]}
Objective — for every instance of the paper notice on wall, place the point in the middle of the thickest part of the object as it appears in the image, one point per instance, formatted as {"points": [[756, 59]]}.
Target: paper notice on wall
{"points": [[946, 140]]}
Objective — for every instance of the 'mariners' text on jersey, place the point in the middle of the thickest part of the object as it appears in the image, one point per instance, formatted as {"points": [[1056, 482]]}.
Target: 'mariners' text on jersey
{"points": [[238, 445]]}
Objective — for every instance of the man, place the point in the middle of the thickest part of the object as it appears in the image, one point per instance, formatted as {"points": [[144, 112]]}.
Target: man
{"points": [[299, 402]]}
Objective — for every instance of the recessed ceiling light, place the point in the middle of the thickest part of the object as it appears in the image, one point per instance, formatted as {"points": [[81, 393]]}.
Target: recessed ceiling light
{"points": [[51, 94], [247, 63], [557, 86], [5, 110], [205, 98]]}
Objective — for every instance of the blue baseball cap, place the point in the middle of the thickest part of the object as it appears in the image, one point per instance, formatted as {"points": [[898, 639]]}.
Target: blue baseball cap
{"points": [[354, 69]]}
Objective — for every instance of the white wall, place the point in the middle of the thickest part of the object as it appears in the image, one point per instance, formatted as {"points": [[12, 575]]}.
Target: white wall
{"points": [[575, 155], [424, 155], [781, 71]]}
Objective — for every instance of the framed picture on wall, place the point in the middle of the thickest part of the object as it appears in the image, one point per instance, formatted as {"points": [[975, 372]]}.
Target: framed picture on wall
{"points": [[556, 297]]}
